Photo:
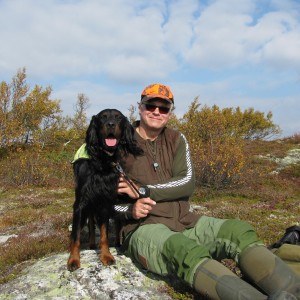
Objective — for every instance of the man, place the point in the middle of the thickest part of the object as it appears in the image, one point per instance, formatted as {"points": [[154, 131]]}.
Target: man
{"points": [[164, 236]]}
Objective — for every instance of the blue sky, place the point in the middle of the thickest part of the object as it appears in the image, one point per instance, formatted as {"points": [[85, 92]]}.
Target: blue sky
{"points": [[230, 53]]}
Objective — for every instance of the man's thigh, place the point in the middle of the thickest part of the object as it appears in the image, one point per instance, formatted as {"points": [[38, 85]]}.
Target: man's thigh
{"points": [[205, 231], [146, 245]]}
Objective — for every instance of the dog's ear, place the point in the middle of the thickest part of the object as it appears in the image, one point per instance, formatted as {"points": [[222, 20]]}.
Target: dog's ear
{"points": [[128, 140], [91, 137]]}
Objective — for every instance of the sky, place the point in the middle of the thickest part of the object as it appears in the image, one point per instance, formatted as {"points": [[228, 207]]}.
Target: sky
{"points": [[229, 53]]}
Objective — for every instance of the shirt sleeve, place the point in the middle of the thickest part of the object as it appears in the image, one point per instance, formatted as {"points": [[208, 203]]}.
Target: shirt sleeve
{"points": [[182, 183], [123, 211]]}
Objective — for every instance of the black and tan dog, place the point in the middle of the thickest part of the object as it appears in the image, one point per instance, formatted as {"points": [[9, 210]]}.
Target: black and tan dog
{"points": [[109, 138]]}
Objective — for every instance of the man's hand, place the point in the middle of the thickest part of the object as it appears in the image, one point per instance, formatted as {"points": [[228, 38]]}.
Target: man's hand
{"points": [[125, 188], [142, 207]]}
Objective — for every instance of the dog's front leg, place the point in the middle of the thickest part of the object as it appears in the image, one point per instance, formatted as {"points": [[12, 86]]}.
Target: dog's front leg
{"points": [[105, 256], [74, 258], [92, 234], [117, 228]]}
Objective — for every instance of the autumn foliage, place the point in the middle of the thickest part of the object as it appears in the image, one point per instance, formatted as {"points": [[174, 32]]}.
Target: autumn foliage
{"points": [[37, 143], [25, 114], [217, 136]]}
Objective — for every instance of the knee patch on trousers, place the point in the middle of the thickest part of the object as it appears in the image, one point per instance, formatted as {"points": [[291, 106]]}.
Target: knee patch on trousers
{"points": [[239, 235], [184, 255]]}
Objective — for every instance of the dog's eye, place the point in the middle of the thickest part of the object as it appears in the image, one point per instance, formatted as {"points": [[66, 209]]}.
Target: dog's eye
{"points": [[118, 117]]}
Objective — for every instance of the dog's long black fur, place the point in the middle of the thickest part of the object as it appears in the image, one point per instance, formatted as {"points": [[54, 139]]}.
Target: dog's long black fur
{"points": [[109, 139]]}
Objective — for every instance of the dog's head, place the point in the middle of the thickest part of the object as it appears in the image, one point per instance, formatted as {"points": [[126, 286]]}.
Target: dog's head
{"points": [[110, 131]]}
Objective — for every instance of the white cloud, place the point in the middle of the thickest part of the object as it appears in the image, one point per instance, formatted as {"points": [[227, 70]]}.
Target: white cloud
{"points": [[178, 29], [283, 52], [81, 37], [226, 37], [129, 42]]}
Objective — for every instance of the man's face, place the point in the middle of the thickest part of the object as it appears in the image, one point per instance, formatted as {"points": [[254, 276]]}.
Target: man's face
{"points": [[155, 114]]}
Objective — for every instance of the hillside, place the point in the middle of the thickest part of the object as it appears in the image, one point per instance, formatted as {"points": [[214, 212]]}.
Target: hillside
{"points": [[35, 215]]}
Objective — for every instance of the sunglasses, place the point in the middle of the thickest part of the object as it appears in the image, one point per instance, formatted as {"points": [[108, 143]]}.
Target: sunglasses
{"points": [[162, 109]]}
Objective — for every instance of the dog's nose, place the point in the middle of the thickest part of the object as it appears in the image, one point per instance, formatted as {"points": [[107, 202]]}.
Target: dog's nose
{"points": [[111, 124]]}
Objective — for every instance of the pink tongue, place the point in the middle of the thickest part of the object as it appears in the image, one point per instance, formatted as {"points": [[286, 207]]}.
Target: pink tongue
{"points": [[111, 142]]}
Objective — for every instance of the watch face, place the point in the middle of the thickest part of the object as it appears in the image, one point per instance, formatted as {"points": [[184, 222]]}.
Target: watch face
{"points": [[144, 191]]}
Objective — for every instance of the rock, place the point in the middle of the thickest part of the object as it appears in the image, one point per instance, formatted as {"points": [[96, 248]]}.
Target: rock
{"points": [[292, 157], [49, 278], [5, 238]]}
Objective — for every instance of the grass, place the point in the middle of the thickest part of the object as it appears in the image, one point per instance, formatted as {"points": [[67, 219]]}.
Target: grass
{"points": [[40, 214]]}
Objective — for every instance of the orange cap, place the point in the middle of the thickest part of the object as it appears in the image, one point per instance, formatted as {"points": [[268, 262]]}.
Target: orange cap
{"points": [[157, 90]]}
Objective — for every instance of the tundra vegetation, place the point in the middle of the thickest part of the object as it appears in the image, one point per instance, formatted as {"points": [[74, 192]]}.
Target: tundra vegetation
{"points": [[235, 153]]}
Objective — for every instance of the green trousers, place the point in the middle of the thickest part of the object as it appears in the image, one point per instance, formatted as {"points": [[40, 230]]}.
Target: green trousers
{"points": [[163, 251]]}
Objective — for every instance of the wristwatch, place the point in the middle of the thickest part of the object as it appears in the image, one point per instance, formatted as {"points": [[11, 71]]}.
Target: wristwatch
{"points": [[144, 191]]}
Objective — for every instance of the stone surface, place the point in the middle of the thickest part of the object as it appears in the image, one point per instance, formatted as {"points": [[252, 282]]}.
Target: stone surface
{"points": [[292, 157], [49, 278], [5, 238]]}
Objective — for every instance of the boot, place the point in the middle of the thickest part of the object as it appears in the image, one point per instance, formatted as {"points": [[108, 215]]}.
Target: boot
{"points": [[215, 281], [269, 273]]}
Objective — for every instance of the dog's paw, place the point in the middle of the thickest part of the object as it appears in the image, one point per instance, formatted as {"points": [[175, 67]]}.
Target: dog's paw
{"points": [[107, 259], [73, 263]]}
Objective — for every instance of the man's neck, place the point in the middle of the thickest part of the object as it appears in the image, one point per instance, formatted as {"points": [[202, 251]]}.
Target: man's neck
{"points": [[148, 134]]}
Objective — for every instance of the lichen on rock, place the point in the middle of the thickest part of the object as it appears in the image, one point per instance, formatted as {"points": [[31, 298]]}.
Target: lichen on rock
{"points": [[49, 278]]}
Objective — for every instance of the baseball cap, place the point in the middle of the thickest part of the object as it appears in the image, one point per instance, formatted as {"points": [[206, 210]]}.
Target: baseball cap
{"points": [[157, 90]]}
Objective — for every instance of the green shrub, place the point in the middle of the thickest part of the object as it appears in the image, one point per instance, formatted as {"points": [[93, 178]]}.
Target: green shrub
{"points": [[217, 155]]}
